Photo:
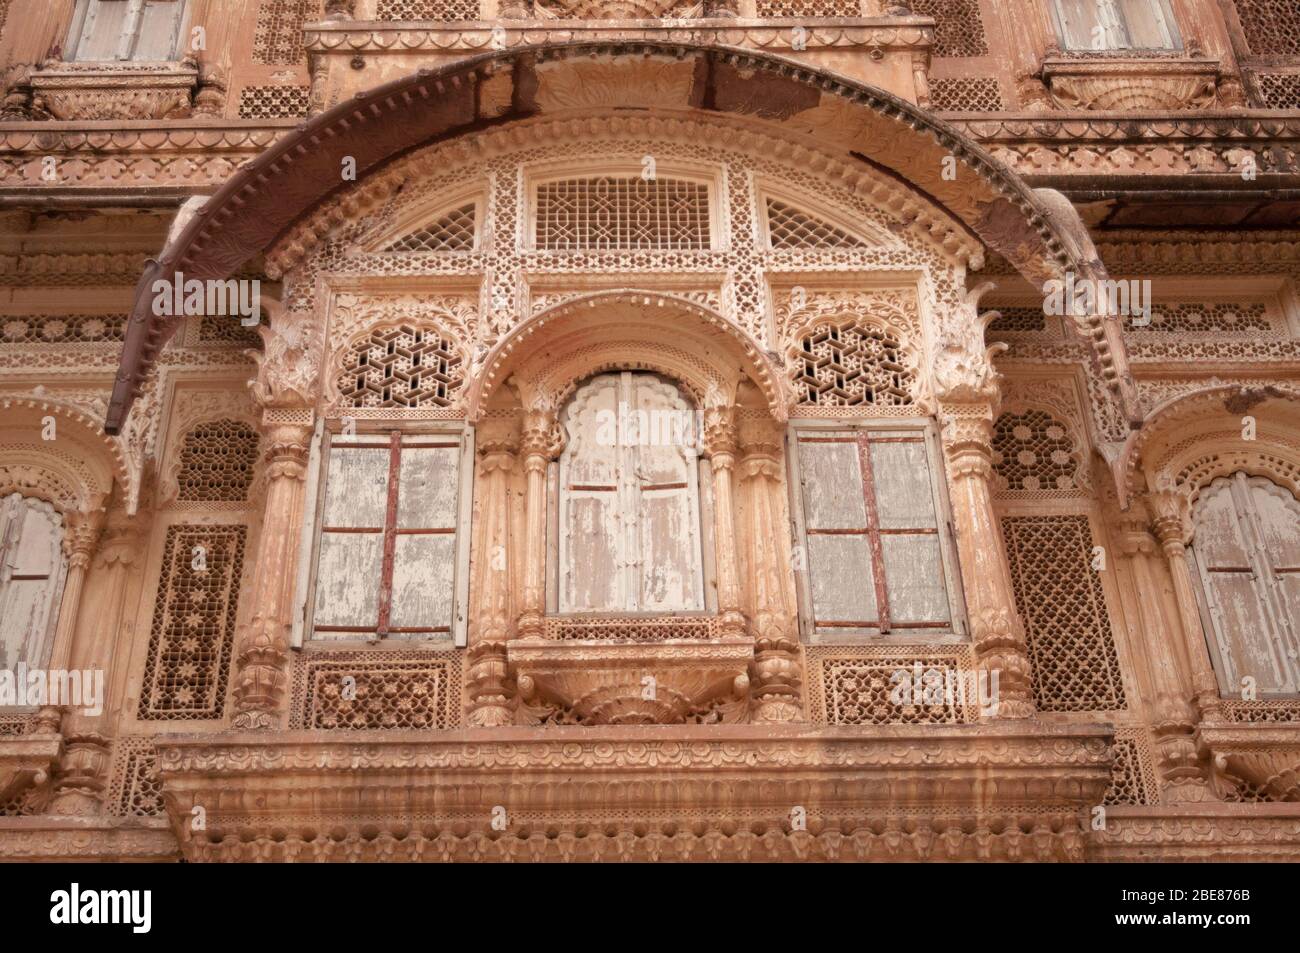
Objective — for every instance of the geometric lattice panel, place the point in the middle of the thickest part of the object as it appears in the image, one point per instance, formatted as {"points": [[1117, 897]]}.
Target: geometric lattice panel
{"points": [[851, 364], [410, 10], [894, 685], [355, 691], [1278, 711], [959, 29], [1059, 597], [217, 329], [1132, 775], [788, 227], [1019, 320], [273, 102], [1033, 451], [62, 329], [776, 9], [401, 366], [622, 212], [1279, 90], [966, 94], [1217, 317], [191, 640], [217, 460], [136, 789], [278, 35], [452, 232], [1272, 27]]}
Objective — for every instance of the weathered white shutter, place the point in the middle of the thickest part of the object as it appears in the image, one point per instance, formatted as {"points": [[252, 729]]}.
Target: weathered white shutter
{"points": [[837, 540], [1278, 522], [424, 551], [31, 580], [349, 568], [629, 520], [593, 549], [872, 538], [1237, 579], [155, 38], [1148, 24], [102, 30]]}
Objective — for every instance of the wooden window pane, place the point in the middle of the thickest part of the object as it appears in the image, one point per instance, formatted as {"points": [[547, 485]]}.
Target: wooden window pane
{"points": [[1078, 21], [901, 469], [347, 581], [424, 574], [101, 31], [428, 486], [1149, 24], [356, 487], [914, 579], [840, 576], [31, 580], [156, 35]]}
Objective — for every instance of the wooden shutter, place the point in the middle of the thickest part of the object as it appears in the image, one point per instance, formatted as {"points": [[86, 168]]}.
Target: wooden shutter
{"points": [[1149, 24], [1239, 583], [424, 550], [629, 522], [31, 580], [103, 30], [351, 556], [871, 533], [1077, 20], [155, 38]]}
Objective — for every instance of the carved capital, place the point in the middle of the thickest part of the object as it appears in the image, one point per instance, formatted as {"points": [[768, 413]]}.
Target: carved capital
{"points": [[968, 440], [260, 684], [721, 436], [288, 447], [488, 686], [81, 776], [81, 535], [541, 438], [1003, 655]]}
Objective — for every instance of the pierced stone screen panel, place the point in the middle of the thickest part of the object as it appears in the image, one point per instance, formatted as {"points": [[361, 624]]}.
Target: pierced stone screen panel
{"points": [[451, 232], [190, 642], [225, 330], [273, 102], [355, 691], [1132, 774], [890, 686], [402, 366], [217, 461], [1216, 317], [62, 329], [777, 9], [1034, 451], [408, 10], [788, 227], [959, 27], [1279, 90], [1075, 666], [278, 35], [136, 788], [966, 94], [1272, 27], [852, 364], [630, 212]]}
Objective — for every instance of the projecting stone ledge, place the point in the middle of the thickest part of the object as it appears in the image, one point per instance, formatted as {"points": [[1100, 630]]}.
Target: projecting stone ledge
{"points": [[1009, 791]]}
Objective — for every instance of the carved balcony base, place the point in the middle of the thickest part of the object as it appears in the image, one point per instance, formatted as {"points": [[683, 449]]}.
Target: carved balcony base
{"points": [[1265, 757], [83, 839], [97, 91], [1006, 791], [592, 682], [25, 760], [1221, 833], [1133, 84]]}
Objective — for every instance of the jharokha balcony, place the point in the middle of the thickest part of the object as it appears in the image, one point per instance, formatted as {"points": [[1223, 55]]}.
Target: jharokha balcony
{"points": [[803, 430]]}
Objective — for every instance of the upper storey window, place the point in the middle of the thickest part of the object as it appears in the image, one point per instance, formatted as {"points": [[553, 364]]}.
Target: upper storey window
{"points": [[139, 30], [32, 568], [1116, 25]]}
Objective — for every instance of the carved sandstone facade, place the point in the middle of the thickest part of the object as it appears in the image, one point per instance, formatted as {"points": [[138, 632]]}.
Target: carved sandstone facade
{"points": [[652, 442]]}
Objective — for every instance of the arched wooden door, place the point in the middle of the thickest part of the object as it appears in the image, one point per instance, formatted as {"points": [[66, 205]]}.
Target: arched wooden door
{"points": [[629, 535]]}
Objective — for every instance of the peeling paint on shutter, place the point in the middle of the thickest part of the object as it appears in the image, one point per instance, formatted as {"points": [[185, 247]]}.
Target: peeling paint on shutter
{"points": [[31, 579]]}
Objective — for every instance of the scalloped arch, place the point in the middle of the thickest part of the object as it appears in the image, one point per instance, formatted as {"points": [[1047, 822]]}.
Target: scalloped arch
{"points": [[1037, 231]]}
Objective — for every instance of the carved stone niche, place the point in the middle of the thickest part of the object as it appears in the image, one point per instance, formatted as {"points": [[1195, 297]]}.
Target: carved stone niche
{"points": [[1133, 84], [593, 682], [82, 91], [1267, 757]]}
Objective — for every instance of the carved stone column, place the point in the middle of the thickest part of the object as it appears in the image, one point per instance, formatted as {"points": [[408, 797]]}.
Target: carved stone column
{"points": [[775, 676], [488, 686], [1000, 648], [81, 533], [1173, 718], [1168, 512], [541, 441], [720, 447], [263, 647]]}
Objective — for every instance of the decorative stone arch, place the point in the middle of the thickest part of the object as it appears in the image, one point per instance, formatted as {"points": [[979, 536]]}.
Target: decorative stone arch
{"points": [[1038, 231], [550, 353], [1190, 440], [75, 472]]}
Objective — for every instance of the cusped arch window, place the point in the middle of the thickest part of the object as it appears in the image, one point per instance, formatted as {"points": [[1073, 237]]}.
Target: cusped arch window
{"points": [[852, 363], [32, 570], [1246, 551]]}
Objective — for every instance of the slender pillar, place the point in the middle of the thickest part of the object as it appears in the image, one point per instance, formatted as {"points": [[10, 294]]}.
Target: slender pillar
{"points": [[1173, 717], [720, 446], [263, 647], [541, 441], [1168, 512], [775, 676], [1000, 648], [489, 690]]}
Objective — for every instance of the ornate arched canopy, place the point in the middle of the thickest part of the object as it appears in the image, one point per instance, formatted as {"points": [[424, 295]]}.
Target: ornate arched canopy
{"points": [[549, 354], [1037, 232], [57, 453]]}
